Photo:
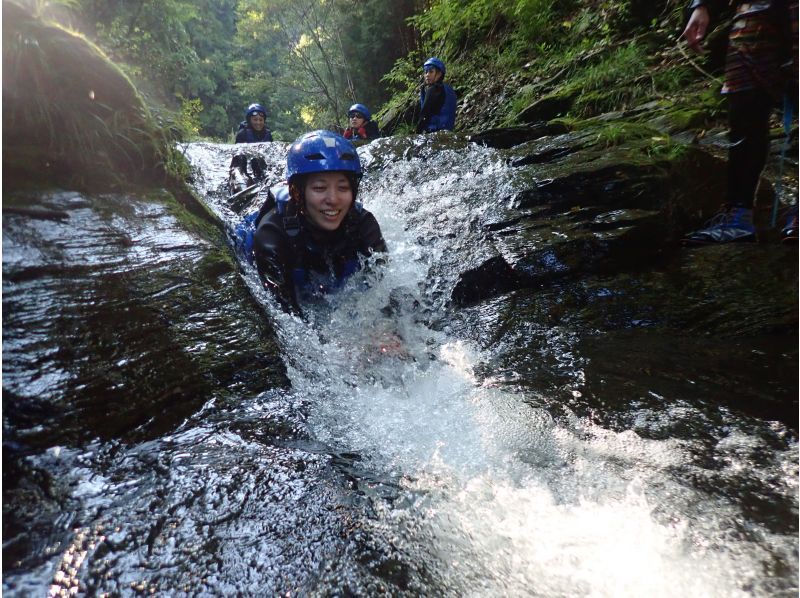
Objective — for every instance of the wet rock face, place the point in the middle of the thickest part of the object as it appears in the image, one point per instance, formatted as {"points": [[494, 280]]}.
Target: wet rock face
{"points": [[150, 441], [588, 208], [118, 323], [119, 327], [714, 327], [504, 138]]}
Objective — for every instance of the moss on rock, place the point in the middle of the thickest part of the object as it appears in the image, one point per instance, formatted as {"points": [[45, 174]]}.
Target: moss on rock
{"points": [[71, 117]]}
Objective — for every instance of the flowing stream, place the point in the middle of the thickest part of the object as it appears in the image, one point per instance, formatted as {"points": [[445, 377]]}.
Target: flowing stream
{"points": [[480, 486], [480, 456]]}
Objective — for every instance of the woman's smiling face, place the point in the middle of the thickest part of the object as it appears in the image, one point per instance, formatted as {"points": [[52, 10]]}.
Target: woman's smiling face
{"points": [[257, 121], [328, 198]]}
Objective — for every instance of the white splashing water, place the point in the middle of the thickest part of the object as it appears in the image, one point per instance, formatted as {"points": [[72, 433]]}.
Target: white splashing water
{"points": [[496, 496]]}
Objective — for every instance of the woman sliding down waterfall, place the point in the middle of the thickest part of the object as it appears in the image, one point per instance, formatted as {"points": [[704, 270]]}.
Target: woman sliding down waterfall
{"points": [[314, 241]]}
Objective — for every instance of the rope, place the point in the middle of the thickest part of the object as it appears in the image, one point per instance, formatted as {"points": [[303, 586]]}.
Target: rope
{"points": [[788, 114]]}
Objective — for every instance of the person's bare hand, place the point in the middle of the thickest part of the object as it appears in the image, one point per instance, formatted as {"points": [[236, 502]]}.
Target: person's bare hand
{"points": [[696, 28]]}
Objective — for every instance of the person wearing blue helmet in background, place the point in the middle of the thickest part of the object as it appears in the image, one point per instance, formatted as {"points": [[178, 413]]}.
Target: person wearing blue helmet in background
{"points": [[316, 239], [254, 127], [437, 99], [361, 124]]}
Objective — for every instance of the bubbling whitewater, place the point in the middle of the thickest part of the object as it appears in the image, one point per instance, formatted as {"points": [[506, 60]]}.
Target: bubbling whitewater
{"points": [[488, 493]]}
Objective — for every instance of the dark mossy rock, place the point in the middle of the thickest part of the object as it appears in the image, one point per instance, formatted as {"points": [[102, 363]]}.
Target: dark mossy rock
{"points": [[591, 208], [678, 120], [507, 137], [716, 326], [547, 108], [396, 116], [70, 116], [538, 251]]}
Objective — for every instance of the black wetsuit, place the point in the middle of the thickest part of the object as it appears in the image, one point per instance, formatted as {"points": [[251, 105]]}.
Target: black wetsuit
{"points": [[290, 264], [434, 100], [250, 135], [437, 108]]}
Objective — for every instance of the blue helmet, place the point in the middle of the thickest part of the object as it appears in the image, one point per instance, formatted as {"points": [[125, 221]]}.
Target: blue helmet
{"points": [[434, 63], [359, 108], [321, 151], [253, 109]]}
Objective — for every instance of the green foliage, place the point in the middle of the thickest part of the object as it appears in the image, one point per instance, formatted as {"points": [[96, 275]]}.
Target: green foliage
{"points": [[522, 99], [374, 34], [618, 132], [609, 84], [176, 48], [713, 102], [88, 135], [666, 149], [189, 117], [308, 60], [453, 26], [404, 74], [535, 21]]}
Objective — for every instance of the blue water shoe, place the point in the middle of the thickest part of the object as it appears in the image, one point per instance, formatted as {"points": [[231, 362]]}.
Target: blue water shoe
{"points": [[789, 231], [728, 226]]}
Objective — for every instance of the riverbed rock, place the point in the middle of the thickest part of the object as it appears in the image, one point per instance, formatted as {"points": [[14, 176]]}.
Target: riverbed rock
{"points": [[122, 317], [507, 137], [591, 208]]}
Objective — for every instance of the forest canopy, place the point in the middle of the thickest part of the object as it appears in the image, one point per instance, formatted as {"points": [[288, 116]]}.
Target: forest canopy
{"points": [[306, 61], [199, 63]]}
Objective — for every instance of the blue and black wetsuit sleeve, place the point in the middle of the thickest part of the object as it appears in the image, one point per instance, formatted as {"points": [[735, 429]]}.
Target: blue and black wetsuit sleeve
{"points": [[275, 261], [432, 104]]}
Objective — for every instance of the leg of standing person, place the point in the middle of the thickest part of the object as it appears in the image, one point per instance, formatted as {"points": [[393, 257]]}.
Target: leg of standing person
{"points": [[748, 118]]}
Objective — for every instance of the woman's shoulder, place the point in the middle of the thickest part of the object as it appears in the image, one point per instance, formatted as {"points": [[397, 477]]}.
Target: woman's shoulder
{"points": [[370, 234], [271, 226]]}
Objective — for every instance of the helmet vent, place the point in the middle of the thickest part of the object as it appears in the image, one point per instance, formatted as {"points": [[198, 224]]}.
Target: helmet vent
{"points": [[316, 156], [347, 156]]}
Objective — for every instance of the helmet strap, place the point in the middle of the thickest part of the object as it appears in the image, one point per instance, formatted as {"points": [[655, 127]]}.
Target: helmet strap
{"points": [[291, 223], [297, 193]]}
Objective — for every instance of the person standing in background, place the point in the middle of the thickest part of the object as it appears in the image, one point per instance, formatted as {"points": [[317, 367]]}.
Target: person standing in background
{"points": [[760, 72], [437, 99]]}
